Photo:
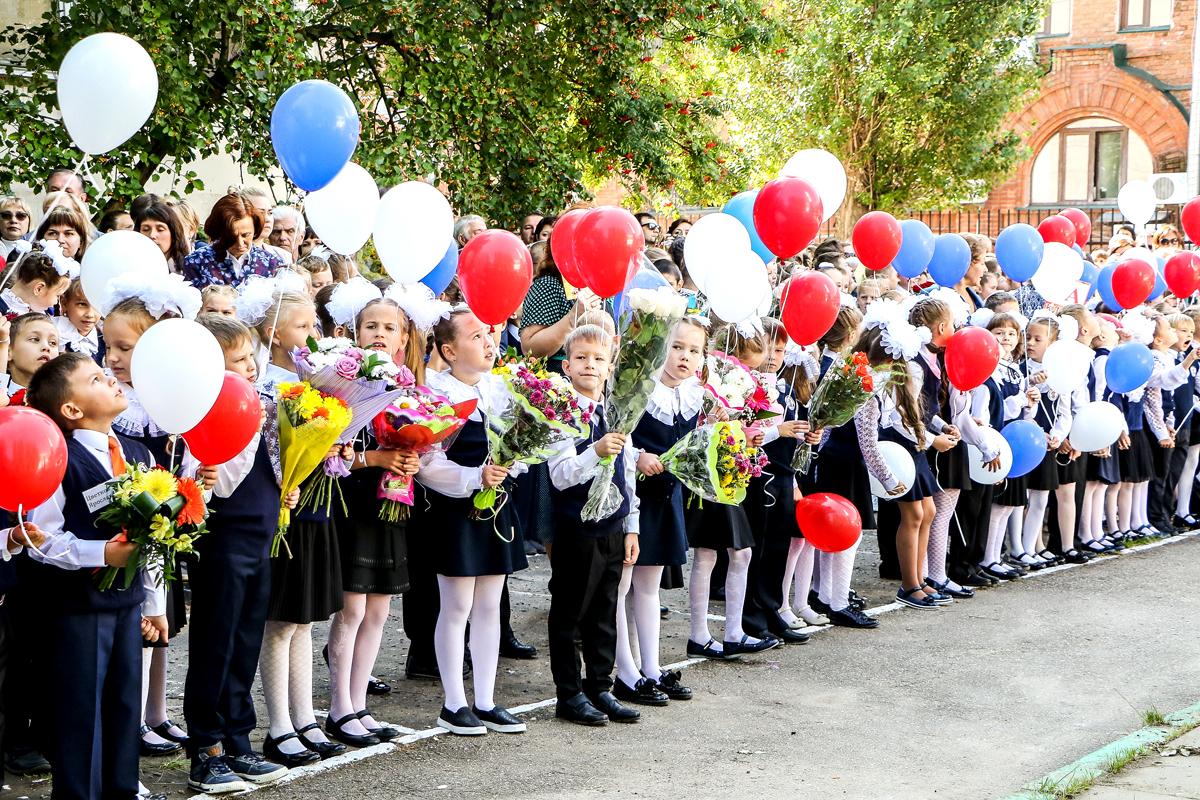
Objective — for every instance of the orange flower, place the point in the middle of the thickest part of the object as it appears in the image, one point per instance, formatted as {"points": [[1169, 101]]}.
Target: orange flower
{"points": [[193, 509], [868, 384], [861, 371], [321, 413]]}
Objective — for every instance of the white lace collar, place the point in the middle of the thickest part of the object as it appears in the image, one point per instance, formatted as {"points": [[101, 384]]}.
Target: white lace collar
{"points": [[15, 304], [687, 398], [135, 420]]}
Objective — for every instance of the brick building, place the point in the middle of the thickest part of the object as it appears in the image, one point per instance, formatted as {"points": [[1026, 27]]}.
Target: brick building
{"points": [[1112, 107]]}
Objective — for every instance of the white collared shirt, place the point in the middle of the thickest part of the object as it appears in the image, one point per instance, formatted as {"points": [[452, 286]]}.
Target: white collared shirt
{"points": [[69, 335]]}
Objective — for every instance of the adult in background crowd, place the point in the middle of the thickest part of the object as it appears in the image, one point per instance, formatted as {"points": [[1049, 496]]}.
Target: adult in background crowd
{"points": [[467, 228], [651, 230], [232, 228], [68, 181], [528, 226], [67, 226], [287, 226], [544, 228], [679, 228], [160, 222], [115, 219], [258, 197], [15, 221]]}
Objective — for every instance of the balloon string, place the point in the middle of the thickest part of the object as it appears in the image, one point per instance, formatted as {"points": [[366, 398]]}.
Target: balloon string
{"points": [[21, 526]]}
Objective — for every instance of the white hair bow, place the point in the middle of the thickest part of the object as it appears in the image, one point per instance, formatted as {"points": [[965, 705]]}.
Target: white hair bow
{"points": [[417, 302], [161, 294]]}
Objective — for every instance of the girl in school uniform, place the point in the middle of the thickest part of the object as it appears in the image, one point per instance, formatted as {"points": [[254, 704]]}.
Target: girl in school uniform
{"points": [[1103, 471], [672, 412], [1168, 376], [35, 281], [1187, 450], [1079, 324], [472, 555], [1135, 449], [30, 341]]}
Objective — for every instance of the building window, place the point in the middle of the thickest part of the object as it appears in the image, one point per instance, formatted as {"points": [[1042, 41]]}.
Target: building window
{"points": [[1137, 14], [1088, 161], [1057, 21]]}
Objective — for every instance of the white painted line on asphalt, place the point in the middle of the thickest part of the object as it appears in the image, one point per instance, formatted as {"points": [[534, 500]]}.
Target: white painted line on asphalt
{"points": [[416, 736]]}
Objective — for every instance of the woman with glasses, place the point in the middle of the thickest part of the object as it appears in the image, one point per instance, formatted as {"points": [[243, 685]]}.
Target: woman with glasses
{"points": [[15, 218], [1166, 242]]}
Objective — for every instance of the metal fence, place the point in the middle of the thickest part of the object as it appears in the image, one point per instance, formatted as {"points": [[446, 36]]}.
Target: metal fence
{"points": [[990, 221]]}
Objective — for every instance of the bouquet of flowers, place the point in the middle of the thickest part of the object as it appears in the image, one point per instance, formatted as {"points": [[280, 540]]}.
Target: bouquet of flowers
{"points": [[417, 422], [310, 423], [366, 381], [162, 514], [645, 340], [715, 462], [837, 398], [543, 411], [744, 393]]}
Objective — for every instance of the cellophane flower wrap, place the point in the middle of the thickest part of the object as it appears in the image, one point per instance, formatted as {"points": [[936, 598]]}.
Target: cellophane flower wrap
{"points": [[715, 462], [419, 421], [542, 412], [646, 326], [846, 387], [161, 513], [745, 394], [310, 423], [367, 381]]}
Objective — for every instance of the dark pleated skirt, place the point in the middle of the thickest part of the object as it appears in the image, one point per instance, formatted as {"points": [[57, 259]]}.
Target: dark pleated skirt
{"points": [[1105, 470], [307, 587], [464, 547], [1012, 492], [841, 473], [662, 532], [1137, 463], [1044, 476], [374, 555], [951, 467], [1073, 472], [716, 526], [924, 484]]}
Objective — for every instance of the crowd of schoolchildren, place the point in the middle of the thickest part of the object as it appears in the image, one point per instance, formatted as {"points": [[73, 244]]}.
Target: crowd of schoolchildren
{"points": [[942, 535]]}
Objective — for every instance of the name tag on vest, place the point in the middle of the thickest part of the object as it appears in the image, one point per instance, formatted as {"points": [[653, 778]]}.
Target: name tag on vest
{"points": [[99, 497]]}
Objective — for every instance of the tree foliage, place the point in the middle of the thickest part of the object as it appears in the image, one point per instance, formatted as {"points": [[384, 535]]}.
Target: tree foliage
{"points": [[509, 104]]}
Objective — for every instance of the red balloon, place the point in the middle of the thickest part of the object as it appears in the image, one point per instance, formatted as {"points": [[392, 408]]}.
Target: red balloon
{"points": [[1082, 223], [1182, 273], [1190, 218], [787, 215], [876, 239], [608, 249], [1057, 229], [829, 522], [562, 246], [1132, 282], [229, 425], [809, 304], [33, 457], [494, 273], [972, 355]]}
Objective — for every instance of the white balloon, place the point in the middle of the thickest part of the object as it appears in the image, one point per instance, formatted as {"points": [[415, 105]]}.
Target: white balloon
{"points": [[980, 473], [738, 287], [107, 87], [413, 228], [1097, 425], [1066, 364], [714, 242], [826, 174], [177, 369], [117, 253], [1059, 272], [899, 463], [1137, 202], [343, 212]]}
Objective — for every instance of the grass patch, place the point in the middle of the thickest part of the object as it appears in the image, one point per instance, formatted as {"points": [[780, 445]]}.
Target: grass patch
{"points": [[1153, 718], [1066, 788]]}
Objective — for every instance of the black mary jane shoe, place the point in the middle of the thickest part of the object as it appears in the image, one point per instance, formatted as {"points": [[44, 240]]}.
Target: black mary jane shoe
{"points": [[707, 650], [745, 646], [643, 693], [377, 687], [334, 728], [669, 684], [789, 636], [273, 754], [163, 729], [385, 732], [150, 750], [323, 749], [1074, 556], [961, 593], [1052, 559]]}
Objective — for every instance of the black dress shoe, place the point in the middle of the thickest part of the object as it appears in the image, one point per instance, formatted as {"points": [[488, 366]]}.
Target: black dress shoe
{"points": [[852, 618], [856, 600], [668, 684], [706, 650], [746, 646], [27, 762], [323, 749], [580, 710], [163, 729], [275, 755], [959, 593], [645, 692], [975, 579], [606, 703], [817, 604], [385, 732], [1076, 557], [334, 728], [150, 750], [789, 636], [377, 687], [512, 647], [462, 722]]}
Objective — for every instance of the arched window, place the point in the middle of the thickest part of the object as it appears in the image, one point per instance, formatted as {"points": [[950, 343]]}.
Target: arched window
{"points": [[1088, 161]]}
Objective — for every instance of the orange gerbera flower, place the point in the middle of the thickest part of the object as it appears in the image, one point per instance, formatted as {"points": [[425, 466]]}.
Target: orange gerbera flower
{"points": [[193, 509]]}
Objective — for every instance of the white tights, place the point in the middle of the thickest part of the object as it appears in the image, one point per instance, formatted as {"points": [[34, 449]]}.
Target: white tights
{"points": [[1091, 528], [1038, 500], [154, 692], [997, 527], [354, 638], [474, 600], [703, 561], [1034, 517], [1183, 489], [285, 665], [1111, 521], [798, 573], [644, 582], [944, 503], [1131, 505], [836, 571]]}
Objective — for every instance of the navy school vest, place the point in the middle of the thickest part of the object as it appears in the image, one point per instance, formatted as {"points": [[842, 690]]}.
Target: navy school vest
{"points": [[569, 502]]}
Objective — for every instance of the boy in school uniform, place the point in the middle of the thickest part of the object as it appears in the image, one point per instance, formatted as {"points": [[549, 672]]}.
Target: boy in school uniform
{"points": [[95, 658], [12, 541], [587, 557]]}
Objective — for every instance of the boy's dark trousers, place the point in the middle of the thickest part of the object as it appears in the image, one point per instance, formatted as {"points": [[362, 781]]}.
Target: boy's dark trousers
{"points": [[96, 671], [230, 590], [585, 574]]}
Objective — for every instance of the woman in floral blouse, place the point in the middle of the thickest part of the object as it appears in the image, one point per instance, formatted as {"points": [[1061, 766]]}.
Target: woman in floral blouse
{"points": [[232, 228]]}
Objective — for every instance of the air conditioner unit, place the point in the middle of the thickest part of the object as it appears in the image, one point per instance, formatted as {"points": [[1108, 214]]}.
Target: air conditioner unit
{"points": [[1171, 187]]}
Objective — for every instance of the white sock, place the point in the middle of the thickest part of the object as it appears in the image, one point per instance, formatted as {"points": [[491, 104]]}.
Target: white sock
{"points": [[997, 525], [735, 594], [805, 564], [342, 633], [366, 650], [703, 561], [1065, 495], [1183, 489], [944, 502], [457, 596], [823, 575], [1038, 498], [485, 638], [840, 567], [627, 669], [273, 666], [646, 618]]}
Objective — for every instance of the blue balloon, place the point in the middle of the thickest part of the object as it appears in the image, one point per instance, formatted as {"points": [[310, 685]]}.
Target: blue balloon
{"points": [[440, 276], [951, 258], [1019, 251], [916, 248], [1104, 287], [1129, 366], [314, 129], [1160, 284], [1090, 274], [741, 208], [1028, 444]]}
